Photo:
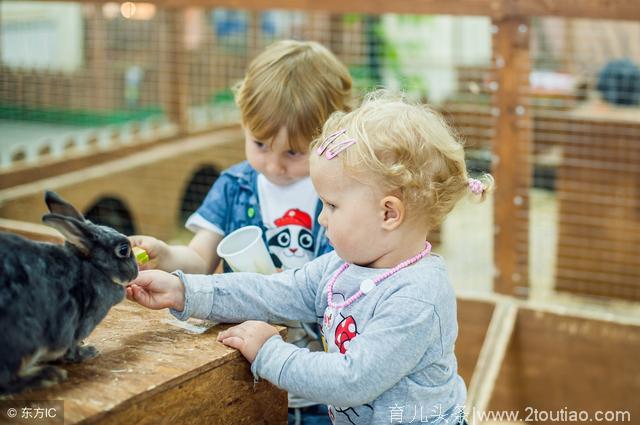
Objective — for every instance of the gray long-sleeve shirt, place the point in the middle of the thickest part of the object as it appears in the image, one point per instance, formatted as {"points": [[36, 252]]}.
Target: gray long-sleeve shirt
{"points": [[390, 354]]}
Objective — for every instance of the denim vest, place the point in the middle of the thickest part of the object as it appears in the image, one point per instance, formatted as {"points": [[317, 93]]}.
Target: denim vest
{"points": [[232, 203]]}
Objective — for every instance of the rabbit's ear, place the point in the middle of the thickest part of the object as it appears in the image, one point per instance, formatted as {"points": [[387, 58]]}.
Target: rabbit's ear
{"points": [[75, 232], [57, 205]]}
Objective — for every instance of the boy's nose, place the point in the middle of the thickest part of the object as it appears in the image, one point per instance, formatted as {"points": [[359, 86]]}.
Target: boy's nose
{"points": [[274, 166]]}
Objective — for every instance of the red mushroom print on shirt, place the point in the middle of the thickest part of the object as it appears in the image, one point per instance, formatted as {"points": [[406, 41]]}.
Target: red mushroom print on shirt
{"points": [[346, 330], [291, 242]]}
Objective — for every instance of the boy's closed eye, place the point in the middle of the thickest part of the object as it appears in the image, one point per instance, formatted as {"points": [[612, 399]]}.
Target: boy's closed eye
{"points": [[260, 145], [294, 154]]}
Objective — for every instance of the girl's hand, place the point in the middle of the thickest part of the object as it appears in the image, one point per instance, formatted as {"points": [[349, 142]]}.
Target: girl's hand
{"points": [[248, 337], [157, 250], [156, 289]]}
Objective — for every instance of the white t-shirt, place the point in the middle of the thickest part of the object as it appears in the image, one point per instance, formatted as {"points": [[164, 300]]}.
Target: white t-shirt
{"points": [[288, 214]]}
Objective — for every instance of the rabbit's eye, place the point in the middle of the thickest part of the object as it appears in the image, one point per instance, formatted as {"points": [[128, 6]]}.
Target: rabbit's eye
{"points": [[123, 250]]}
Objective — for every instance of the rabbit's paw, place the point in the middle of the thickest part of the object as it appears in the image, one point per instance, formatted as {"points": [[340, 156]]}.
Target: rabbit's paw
{"points": [[51, 375], [40, 377], [80, 353]]}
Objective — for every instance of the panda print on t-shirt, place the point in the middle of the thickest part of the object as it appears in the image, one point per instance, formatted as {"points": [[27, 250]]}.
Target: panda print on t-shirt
{"points": [[291, 243]]}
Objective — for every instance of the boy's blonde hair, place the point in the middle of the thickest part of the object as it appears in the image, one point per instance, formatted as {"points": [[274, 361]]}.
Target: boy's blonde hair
{"points": [[296, 85], [407, 150]]}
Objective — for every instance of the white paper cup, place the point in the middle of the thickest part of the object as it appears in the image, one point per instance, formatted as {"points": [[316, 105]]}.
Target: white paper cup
{"points": [[245, 251]]}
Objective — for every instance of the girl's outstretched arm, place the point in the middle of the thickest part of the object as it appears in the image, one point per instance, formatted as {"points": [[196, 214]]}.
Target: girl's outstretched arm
{"points": [[237, 297]]}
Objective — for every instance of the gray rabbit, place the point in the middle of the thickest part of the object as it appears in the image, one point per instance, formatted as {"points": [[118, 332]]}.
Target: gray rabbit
{"points": [[53, 296]]}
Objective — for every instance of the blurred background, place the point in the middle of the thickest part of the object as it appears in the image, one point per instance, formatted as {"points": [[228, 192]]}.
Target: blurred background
{"points": [[126, 110]]}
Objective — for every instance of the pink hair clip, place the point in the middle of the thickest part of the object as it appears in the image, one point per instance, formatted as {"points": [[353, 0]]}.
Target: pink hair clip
{"points": [[331, 149], [476, 186]]}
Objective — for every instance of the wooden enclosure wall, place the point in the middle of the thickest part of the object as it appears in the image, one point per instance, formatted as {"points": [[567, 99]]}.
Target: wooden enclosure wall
{"points": [[473, 321], [559, 362], [150, 183]]}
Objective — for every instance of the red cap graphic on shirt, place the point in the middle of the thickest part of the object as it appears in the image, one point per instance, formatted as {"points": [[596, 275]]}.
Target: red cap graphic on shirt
{"points": [[296, 217]]}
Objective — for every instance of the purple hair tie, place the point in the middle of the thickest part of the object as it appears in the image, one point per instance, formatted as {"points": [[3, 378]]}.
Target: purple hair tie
{"points": [[476, 186]]}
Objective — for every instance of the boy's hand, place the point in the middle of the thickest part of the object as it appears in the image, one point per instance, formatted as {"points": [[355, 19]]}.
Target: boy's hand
{"points": [[248, 337], [156, 289], [157, 250]]}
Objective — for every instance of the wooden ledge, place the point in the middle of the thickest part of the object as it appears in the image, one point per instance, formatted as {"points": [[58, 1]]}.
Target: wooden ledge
{"points": [[152, 371]]}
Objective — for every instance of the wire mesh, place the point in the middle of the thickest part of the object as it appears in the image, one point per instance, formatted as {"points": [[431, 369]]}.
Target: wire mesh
{"points": [[84, 83], [584, 93]]}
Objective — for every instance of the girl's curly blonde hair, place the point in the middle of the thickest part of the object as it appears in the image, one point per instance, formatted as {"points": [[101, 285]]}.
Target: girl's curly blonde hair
{"points": [[406, 149]]}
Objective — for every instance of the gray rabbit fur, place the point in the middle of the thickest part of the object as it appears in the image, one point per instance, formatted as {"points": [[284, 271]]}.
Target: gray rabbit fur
{"points": [[53, 296]]}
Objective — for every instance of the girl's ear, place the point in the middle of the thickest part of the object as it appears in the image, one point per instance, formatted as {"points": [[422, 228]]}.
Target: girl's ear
{"points": [[393, 212]]}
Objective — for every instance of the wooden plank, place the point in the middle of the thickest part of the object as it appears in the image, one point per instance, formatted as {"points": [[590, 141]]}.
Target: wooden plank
{"points": [[608, 311], [559, 362], [474, 317], [491, 356], [97, 40], [53, 167], [33, 231], [597, 9], [176, 66], [153, 371], [128, 162], [452, 7], [511, 147]]}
